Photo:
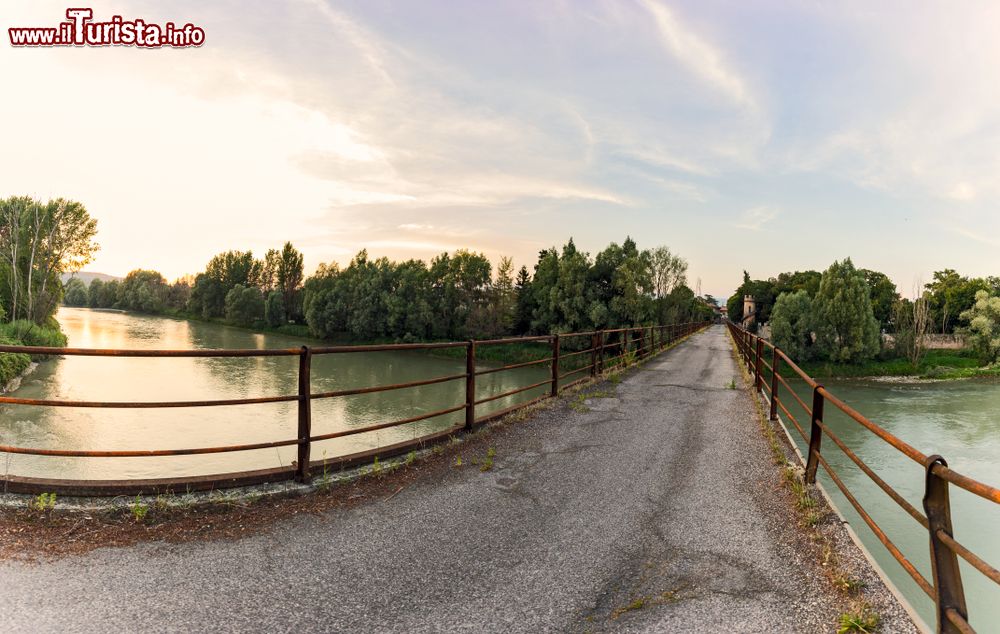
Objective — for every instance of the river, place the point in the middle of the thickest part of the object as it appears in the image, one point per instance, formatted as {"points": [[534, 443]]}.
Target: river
{"points": [[957, 419], [173, 379]]}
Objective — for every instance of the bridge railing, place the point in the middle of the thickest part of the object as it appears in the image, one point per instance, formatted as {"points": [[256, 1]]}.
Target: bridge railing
{"points": [[945, 587], [586, 357]]}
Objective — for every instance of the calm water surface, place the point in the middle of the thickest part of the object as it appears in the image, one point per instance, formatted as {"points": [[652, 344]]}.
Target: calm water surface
{"points": [[140, 379], [957, 419]]}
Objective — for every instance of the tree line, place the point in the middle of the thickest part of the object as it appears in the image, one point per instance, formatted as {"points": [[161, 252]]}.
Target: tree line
{"points": [[454, 296], [843, 314]]}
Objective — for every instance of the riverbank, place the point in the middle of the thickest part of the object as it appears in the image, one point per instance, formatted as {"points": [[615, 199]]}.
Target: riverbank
{"points": [[936, 364], [14, 366], [504, 354]]}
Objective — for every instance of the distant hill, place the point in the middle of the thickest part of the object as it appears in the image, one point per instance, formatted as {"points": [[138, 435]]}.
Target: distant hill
{"points": [[87, 276]]}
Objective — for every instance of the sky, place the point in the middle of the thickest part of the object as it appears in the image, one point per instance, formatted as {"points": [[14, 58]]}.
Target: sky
{"points": [[759, 136]]}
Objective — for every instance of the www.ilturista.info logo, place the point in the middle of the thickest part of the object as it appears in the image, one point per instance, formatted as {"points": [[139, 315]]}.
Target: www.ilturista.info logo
{"points": [[81, 30]]}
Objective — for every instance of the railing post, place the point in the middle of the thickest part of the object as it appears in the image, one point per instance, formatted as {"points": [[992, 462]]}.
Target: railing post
{"points": [[758, 366], [815, 435], [948, 591], [600, 352], [593, 354], [555, 366], [774, 383], [470, 384], [305, 414]]}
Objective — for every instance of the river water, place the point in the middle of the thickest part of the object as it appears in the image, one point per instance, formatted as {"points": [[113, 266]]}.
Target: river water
{"points": [[957, 419], [172, 379]]}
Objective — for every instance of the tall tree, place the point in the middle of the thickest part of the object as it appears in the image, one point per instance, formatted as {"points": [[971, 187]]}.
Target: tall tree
{"points": [[846, 328]]}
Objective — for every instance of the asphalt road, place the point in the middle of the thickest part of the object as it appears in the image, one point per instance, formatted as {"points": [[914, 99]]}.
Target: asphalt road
{"points": [[660, 498]]}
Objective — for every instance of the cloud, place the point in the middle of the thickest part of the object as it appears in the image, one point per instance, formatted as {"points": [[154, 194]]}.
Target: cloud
{"points": [[754, 219], [699, 56]]}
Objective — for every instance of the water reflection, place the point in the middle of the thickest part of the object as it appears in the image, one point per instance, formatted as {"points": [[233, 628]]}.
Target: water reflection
{"points": [[138, 379], [956, 419]]}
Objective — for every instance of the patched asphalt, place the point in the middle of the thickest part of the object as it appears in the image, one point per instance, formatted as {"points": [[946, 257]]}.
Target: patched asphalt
{"points": [[655, 510]]}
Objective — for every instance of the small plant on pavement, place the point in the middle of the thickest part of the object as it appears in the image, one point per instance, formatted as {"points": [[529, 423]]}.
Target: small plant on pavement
{"points": [[43, 504], [138, 509]]}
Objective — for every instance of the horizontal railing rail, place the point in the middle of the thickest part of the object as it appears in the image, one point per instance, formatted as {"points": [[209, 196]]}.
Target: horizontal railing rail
{"points": [[945, 588], [586, 357]]}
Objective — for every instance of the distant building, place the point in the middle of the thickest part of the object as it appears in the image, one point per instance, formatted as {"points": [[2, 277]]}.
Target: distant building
{"points": [[749, 311]]}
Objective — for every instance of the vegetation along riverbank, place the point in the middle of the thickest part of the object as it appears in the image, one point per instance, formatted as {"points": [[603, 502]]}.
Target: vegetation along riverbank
{"points": [[850, 322]]}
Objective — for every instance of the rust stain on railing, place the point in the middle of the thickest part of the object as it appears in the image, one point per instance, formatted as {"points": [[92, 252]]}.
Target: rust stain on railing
{"points": [[946, 590]]}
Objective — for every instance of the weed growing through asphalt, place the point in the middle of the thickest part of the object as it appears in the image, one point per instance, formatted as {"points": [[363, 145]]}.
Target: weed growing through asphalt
{"points": [[138, 509], [410, 458], [43, 504], [488, 460], [458, 461], [376, 467], [862, 620], [732, 384]]}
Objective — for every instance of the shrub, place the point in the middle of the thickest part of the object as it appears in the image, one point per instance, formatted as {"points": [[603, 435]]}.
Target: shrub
{"points": [[983, 333], [792, 325]]}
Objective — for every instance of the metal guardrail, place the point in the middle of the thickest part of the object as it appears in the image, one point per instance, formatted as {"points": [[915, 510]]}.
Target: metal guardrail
{"points": [[946, 590], [628, 344]]}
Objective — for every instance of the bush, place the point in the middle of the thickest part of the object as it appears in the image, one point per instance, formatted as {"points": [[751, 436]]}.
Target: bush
{"points": [[274, 309], [983, 333], [792, 325], [244, 305], [27, 333], [11, 365]]}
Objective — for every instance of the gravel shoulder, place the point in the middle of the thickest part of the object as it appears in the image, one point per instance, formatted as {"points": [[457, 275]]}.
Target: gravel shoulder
{"points": [[651, 506]]}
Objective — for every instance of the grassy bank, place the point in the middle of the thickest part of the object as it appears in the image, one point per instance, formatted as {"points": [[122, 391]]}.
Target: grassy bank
{"points": [[25, 333], [936, 364]]}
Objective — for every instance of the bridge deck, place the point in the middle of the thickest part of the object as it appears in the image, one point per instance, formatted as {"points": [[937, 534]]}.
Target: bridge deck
{"points": [[663, 492]]}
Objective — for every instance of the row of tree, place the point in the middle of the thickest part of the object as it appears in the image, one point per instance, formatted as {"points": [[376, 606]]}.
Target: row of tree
{"points": [[455, 296]]}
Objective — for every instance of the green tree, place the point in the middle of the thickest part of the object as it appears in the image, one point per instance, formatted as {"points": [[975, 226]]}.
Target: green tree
{"points": [[524, 302], [38, 242], [883, 296], [244, 305], [983, 331], [143, 291], [846, 328], [288, 278], [792, 324], [75, 293], [274, 309]]}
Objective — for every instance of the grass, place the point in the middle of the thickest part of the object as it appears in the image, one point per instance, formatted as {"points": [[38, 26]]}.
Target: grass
{"points": [[138, 509], [936, 364], [862, 620]]}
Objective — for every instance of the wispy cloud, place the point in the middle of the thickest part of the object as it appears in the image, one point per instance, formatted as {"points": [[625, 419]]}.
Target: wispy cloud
{"points": [[755, 218], [698, 55]]}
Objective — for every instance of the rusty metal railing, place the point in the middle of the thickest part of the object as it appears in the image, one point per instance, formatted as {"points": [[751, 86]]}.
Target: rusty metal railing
{"points": [[945, 587], [631, 344]]}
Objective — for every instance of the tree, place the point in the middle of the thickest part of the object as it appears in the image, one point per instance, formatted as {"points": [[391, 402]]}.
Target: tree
{"points": [[668, 271], [950, 294], [792, 324], [75, 293], [274, 309], [912, 321], [38, 242], [524, 304], [244, 305], [288, 278], [983, 332], [143, 291], [883, 295], [846, 328]]}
